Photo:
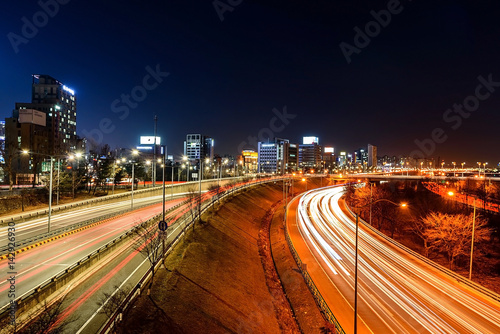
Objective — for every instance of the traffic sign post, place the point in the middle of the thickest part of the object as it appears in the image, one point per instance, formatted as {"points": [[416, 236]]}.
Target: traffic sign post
{"points": [[162, 225]]}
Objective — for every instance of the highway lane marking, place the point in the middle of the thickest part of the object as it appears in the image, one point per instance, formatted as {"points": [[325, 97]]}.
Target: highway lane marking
{"points": [[77, 303], [5, 256], [111, 296]]}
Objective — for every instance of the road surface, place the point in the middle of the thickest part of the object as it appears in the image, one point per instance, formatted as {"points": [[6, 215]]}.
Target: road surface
{"points": [[397, 293]]}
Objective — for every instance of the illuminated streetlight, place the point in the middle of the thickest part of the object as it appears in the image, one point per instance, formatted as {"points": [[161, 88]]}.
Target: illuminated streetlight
{"points": [[403, 205]]}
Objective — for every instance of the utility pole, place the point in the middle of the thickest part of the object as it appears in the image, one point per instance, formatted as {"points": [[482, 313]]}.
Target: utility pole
{"points": [[153, 173]]}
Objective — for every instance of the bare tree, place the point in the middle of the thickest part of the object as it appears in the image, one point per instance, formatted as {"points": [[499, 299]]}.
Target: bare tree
{"points": [[192, 202], [47, 321], [110, 302], [9, 152], [149, 244], [452, 234], [419, 228]]}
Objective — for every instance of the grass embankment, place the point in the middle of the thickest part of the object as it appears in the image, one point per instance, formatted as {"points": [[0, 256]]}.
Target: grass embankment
{"points": [[220, 278]]}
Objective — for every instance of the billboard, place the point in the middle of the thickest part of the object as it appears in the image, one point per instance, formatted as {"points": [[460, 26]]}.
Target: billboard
{"points": [[328, 149], [32, 116], [310, 140], [150, 140]]}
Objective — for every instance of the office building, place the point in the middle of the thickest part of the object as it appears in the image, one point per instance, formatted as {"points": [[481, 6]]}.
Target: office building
{"points": [[328, 158], [198, 146], [292, 164], [58, 103], [372, 155], [272, 157], [310, 153]]}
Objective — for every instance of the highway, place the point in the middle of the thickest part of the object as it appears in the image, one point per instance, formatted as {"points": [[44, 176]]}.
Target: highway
{"points": [[45, 261], [124, 266], [58, 220], [397, 293]]}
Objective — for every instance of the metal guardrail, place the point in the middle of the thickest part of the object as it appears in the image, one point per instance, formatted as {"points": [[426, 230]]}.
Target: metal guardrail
{"points": [[34, 214], [45, 285], [431, 263], [320, 301], [62, 230], [33, 292]]}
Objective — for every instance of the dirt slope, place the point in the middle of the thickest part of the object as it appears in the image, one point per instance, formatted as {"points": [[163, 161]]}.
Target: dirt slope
{"points": [[215, 281]]}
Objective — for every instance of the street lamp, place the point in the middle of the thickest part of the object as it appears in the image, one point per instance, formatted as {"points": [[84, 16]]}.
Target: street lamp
{"points": [[78, 155], [50, 181], [403, 205], [463, 163], [185, 158], [134, 152]]}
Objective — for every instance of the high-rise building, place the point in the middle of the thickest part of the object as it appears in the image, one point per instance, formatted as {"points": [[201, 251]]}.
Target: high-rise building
{"points": [[58, 103], [2, 141], [310, 153], [328, 157], [372, 155], [272, 157], [361, 157], [198, 146], [293, 158]]}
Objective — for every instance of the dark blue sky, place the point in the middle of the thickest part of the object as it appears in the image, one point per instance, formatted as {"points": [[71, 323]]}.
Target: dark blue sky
{"points": [[225, 77]]}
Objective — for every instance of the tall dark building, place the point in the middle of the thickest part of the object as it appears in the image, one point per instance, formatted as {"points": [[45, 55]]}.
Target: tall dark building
{"points": [[372, 155], [58, 102], [198, 146], [310, 153]]}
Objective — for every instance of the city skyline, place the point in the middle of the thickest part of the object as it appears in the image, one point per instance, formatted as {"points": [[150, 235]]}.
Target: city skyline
{"points": [[269, 70]]}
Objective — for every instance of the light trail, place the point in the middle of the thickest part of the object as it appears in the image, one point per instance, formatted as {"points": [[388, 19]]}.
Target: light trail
{"points": [[396, 291]]}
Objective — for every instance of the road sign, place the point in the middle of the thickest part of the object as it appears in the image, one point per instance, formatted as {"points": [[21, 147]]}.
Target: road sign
{"points": [[162, 225]]}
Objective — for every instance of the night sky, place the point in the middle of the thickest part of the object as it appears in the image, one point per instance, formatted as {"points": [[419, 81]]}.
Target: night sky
{"points": [[226, 77]]}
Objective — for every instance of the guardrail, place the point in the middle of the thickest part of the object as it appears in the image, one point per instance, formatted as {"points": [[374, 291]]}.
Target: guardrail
{"points": [[320, 301], [107, 198], [431, 263], [62, 230], [117, 315], [31, 298]]}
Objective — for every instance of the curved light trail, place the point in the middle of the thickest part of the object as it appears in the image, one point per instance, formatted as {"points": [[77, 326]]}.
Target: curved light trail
{"points": [[397, 293]]}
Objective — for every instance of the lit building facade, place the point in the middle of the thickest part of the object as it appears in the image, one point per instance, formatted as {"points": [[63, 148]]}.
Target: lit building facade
{"points": [[310, 153], [58, 103], [198, 146], [250, 161]]}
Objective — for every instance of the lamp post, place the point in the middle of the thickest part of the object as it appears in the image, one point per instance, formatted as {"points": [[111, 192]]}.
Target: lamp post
{"points": [[463, 163], [134, 152], [187, 167], [172, 185], [50, 182], [163, 180], [356, 258]]}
